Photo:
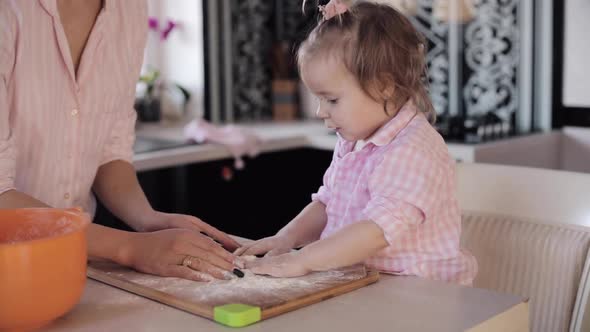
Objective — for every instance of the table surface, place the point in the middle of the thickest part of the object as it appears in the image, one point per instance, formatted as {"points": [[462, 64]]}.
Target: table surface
{"points": [[392, 304]]}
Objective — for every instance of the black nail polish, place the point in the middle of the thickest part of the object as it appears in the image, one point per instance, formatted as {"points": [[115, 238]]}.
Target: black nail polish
{"points": [[239, 273]]}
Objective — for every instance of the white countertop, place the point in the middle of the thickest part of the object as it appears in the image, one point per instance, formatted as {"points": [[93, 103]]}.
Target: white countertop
{"points": [[276, 136], [392, 304]]}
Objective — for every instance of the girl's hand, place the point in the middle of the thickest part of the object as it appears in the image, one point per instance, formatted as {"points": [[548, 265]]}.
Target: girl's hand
{"points": [[179, 253], [284, 266], [271, 246]]}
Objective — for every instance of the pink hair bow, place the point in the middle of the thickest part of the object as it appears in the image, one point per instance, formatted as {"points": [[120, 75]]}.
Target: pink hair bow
{"points": [[333, 8]]}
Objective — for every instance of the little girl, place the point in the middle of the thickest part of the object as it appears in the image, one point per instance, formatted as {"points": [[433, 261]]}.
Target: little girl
{"points": [[388, 197]]}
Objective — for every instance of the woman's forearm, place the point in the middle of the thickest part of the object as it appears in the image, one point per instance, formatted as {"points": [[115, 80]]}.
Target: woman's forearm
{"points": [[308, 225], [351, 245], [108, 243], [118, 189], [13, 199]]}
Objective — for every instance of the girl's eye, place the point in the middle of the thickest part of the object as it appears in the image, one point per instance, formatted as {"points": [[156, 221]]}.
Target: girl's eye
{"points": [[332, 101]]}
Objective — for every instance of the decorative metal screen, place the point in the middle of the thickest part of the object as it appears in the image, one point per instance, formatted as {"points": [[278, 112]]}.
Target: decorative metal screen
{"points": [[476, 61]]}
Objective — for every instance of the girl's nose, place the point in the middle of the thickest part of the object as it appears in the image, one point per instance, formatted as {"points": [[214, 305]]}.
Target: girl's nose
{"points": [[320, 113]]}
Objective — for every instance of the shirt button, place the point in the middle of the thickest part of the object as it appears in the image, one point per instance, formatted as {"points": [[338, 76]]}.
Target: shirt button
{"points": [[74, 112], [67, 196]]}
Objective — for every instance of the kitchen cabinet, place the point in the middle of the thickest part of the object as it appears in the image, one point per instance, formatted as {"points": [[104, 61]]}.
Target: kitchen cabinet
{"points": [[255, 202]]}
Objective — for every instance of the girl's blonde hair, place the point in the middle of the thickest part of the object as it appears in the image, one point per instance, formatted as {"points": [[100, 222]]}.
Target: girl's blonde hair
{"points": [[381, 48]]}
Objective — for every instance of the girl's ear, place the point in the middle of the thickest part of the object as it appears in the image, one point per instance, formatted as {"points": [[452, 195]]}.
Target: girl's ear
{"points": [[384, 87], [388, 91], [393, 96]]}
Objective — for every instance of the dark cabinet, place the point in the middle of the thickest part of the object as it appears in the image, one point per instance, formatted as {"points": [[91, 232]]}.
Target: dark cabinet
{"points": [[254, 202]]}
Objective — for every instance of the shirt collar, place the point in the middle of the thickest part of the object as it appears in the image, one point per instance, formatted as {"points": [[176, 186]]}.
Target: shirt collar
{"points": [[390, 129], [386, 133], [50, 7]]}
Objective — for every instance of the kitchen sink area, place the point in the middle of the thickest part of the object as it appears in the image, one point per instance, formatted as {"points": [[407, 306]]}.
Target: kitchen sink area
{"points": [[150, 144]]}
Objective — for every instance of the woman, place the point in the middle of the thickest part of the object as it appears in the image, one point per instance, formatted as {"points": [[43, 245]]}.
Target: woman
{"points": [[68, 70]]}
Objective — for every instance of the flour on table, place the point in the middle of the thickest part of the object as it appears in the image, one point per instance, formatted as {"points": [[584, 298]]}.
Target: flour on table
{"points": [[263, 291]]}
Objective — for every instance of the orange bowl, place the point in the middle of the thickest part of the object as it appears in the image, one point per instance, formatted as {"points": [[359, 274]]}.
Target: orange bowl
{"points": [[42, 265]]}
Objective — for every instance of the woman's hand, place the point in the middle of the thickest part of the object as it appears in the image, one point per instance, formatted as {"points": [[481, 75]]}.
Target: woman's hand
{"points": [[161, 221], [284, 266], [179, 253], [271, 246]]}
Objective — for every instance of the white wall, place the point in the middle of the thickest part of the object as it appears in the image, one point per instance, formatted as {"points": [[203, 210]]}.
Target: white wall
{"points": [[575, 149], [180, 57], [576, 87]]}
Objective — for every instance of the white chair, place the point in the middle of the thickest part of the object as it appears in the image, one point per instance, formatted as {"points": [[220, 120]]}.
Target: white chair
{"points": [[528, 229]]}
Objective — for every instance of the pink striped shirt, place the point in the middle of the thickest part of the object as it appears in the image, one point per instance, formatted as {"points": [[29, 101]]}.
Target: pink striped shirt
{"points": [[57, 128], [403, 180]]}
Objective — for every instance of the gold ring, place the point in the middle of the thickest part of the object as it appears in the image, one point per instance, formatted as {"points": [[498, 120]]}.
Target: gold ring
{"points": [[187, 261]]}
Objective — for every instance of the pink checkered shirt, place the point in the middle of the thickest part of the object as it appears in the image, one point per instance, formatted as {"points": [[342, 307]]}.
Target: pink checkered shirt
{"points": [[403, 179]]}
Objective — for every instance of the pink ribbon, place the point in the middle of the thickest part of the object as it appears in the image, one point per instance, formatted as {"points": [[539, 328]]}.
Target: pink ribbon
{"points": [[333, 8], [238, 140]]}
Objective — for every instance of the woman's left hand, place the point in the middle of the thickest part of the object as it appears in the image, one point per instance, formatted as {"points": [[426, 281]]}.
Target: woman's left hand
{"points": [[160, 221], [284, 266]]}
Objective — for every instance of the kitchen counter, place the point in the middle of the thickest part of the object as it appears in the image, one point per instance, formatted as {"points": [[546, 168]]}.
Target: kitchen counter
{"points": [[392, 304], [275, 137]]}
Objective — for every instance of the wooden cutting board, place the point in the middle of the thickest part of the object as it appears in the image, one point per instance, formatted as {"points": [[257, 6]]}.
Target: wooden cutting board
{"points": [[237, 302]]}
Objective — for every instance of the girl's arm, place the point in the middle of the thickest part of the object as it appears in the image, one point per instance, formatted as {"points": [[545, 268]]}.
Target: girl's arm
{"points": [[306, 227], [353, 244]]}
